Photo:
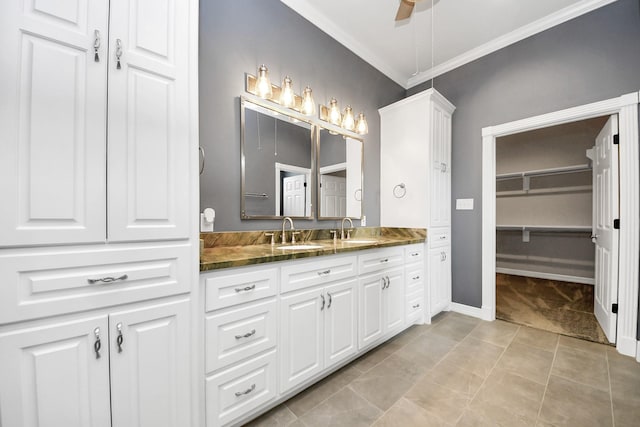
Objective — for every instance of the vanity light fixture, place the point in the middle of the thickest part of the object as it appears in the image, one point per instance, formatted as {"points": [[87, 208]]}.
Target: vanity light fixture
{"points": [[287, 97], [335, 117], [362, 128], [308, 104], [263, 84], [348, 121]]}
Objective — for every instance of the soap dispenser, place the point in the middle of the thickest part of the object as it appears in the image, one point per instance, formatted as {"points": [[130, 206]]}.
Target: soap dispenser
{"points": [[206, 220]]}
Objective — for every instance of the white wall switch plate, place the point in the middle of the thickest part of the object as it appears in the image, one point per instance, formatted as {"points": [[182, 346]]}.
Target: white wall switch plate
{"points": [[464, 204], [363, 221]]}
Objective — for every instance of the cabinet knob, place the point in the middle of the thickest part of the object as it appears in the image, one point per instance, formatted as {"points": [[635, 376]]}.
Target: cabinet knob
{"points": [[96, 45], [118, 53], [120, 338], [97, 344]]}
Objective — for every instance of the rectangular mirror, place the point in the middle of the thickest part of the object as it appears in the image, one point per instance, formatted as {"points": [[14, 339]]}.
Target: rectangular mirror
{"points": [[277, 163], [340, 167]]}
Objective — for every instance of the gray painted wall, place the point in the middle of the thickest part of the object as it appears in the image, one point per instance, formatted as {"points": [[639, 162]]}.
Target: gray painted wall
{"points": [[235, 38], [591, 58]]}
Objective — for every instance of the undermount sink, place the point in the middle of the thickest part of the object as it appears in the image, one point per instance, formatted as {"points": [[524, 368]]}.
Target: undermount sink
{"points": [[360, 241], [298, 247]]}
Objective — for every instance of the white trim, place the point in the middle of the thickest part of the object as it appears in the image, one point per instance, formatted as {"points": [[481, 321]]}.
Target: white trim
{"points": [[542, 24], [626, 107], [470, 311], [337, 167], [638, 353], [548, 276]]}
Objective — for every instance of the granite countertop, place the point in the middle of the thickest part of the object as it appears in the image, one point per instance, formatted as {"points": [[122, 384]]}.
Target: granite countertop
{"points": [[236, 249]]}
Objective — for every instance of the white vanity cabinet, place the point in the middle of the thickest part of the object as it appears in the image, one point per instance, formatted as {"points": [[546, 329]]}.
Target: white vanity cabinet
{"points": [[415, 173], [415, 283]]}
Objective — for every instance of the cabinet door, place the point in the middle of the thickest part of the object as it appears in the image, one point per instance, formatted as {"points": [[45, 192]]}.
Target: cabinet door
{"points": [[53, 121], [439, 273], [149, 139], [340, 333], [394, 300], [371, 306], [301, 336], [440, 182], [50, 376], [150, 369]]}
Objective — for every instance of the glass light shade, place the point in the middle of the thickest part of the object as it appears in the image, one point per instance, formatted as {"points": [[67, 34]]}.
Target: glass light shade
{"points": [[287, 97], [308, 104], [334, 113], [263, 84], [362, 128], [348, 121]]}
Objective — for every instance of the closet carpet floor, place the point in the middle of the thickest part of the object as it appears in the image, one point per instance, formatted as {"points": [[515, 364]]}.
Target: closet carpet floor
{"points": [[461, 371], [560, 307]]}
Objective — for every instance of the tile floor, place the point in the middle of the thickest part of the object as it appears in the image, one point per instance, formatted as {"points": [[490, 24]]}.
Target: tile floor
{"points": [[460, 371]]}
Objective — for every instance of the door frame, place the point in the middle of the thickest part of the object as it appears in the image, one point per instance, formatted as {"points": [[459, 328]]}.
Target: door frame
{"points": [[626, 107]]}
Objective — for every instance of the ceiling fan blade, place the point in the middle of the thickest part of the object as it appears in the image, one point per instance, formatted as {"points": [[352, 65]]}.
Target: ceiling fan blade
{"points": [[404, 10]]}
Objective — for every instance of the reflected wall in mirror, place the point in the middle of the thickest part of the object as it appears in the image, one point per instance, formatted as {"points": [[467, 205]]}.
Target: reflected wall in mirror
{"points": [[339, 176], [277, 164]]}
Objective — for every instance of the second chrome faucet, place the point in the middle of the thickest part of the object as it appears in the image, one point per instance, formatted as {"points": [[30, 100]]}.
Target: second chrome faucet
{"points": [[284, 223]]}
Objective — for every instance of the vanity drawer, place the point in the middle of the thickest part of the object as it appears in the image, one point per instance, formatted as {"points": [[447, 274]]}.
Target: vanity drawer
{"points": [[239, 332], [311, 273], [241, 389], [414, 253], [238, 287], [414, 307], [439, 237], [381, 259], [414, 278], [48, 281]]}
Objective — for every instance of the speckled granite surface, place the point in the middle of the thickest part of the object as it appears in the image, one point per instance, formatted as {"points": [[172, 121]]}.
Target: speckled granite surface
{"points": [[235, 249]]}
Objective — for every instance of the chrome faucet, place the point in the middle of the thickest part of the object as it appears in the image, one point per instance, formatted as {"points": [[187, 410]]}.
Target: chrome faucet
{"points": [[342, 226], [284, 222]]}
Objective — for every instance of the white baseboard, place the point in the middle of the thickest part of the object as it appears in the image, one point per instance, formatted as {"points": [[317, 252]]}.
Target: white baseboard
{"points": [[638, 352], [470, 311], [548, 276], [627, 346]]}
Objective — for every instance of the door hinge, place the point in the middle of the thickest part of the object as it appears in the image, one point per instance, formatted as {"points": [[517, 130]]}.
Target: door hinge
{"points": [[616, 224], [305, 185], [616, 139], [614, 308]]}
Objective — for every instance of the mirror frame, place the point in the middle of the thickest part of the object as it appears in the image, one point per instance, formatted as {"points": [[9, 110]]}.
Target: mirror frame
{"points": [[335, 130], [313, 149]]}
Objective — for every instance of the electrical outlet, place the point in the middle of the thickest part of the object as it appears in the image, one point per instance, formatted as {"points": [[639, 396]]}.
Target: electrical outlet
{"points": [[464, 204], [363, 221]]}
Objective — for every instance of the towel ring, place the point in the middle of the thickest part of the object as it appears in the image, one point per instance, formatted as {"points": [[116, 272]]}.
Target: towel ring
{"points": [[201, 150], [400, 190], [358, 195]]}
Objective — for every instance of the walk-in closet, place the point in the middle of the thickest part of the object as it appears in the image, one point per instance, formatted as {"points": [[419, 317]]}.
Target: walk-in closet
{"points": [[545, 230]]}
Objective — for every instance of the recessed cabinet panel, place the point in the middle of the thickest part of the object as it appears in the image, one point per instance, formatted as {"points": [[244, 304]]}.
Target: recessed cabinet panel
{"points": [[371, 325], [394, 299], [153, 33], [340, 322], [52, 155], [51, 376]]}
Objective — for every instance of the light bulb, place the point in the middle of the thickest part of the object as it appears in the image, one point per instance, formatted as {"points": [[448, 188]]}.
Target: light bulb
{"points": [[334, 113], [348, 121], [361, 125], [263, 84], [308, 104], [287, 97]]}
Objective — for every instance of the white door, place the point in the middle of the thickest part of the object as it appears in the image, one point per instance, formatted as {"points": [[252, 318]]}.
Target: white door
{"points": [[53, 121], [294, 195], [51, 376], [394, 299], [150, 368], [371, 323], [605, 184], [149, 141], [440, 200], [333, 193], [439, 274], [340, 322], [301, 339]]}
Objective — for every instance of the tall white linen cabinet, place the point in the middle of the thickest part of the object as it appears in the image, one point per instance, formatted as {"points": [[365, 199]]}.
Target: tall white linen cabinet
{"points": [[98, 226], [415, 181]]}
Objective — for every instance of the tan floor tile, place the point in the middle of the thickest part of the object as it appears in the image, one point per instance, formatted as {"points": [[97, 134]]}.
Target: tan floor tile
{"points": [[438, 401], [498, 417], [456, 326], [453, 378], [372, 358], [474, 356], [321, 391], [405, 414], [345, 408], [626, 413], [497, 332], [536, 338], [567, 403], [588, 346], [279, 416], [387, 382], [528, 362], [585, 367], [427, 349]]}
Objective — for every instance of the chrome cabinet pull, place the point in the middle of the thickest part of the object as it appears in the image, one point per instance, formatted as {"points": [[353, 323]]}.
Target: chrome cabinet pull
{"points": [[324, 273], [96, 45], [118, 53], [443, 237], [120, 338], [415, 254], [322, 296], [201, 150], [97, 344], [247, 335], [388, 282], [330, 299], [443, 167], [416, 306], [248, 288], [107, 279], [415, 277], [384, 260], [384, 283], [443, 256], [247, 391]]}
